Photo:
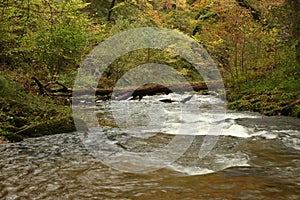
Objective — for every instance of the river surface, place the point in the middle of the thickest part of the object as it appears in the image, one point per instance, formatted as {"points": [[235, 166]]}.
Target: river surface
{"points": [[255, 157]]}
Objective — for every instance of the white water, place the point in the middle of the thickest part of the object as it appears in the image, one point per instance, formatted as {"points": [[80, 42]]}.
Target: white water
{"points": [[145, 118], [255, 157]]}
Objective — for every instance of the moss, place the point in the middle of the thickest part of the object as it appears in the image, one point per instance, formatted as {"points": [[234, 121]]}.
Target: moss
{"points": [[296, 111], [11, 137], [239, 105], [271, 104], [106, 122], [56, 126], [23, 114]]}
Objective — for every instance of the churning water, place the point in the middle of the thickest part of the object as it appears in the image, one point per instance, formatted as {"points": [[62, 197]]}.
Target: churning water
{"points": [[255, 157]]}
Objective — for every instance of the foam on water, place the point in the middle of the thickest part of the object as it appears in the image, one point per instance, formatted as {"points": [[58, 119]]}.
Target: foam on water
{"points": [[198, 123], [195, 117], [190, 170], [291, 142], [217, 163], [238, 115], [232, 160], [193, 124]]}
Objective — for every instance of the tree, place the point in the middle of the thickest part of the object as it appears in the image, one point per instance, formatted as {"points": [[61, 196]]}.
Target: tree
{"points": [[295, 7], [44, 34]]}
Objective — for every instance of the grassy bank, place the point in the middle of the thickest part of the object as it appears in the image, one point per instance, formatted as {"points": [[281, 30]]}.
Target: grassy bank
{"points": [[23, 114], [273, 94]]}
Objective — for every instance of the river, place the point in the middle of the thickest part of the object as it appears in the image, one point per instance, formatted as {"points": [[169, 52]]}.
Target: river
{"points": [[255, 157]]}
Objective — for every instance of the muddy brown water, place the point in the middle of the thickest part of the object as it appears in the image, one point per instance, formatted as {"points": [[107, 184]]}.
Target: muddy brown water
{"points": [[257, 157]]}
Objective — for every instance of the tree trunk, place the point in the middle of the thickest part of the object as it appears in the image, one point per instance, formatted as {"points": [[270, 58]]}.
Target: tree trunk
{"points": [[125, 93], [110, 10], [295, 7]]}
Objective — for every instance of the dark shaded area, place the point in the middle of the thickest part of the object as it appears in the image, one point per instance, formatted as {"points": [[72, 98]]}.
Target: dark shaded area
{"points": [[254, 12], [50, 127]]}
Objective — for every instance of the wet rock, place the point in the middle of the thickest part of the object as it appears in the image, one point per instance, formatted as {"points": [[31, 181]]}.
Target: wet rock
{"points": [[167, 100]]}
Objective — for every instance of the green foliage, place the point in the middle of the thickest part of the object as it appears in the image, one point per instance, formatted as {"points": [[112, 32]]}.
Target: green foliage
{"points": [[3, 86], [257, 55], [47, 35], [129, 14], [20, 110], [143, 56], [296, 111], [61, 47]]}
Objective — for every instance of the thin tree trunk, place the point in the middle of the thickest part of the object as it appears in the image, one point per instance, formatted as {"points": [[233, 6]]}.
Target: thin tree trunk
{"points": [[242, 60], [236, 63], [110, 10]]}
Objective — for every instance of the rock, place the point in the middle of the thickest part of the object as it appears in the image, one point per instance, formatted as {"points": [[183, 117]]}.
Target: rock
{"points": [[51, 127], [167, 100], [186, 99]]}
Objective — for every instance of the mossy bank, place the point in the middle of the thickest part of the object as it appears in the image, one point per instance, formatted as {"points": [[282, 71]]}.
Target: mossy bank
{"points": [[277, 93], [23, 114]]}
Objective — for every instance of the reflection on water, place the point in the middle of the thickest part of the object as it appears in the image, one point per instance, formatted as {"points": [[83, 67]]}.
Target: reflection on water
{"points": [[256, 157]]}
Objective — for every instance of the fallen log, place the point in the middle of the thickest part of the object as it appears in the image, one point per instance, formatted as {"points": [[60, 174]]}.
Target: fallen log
{"points": [[122, 93], [125, 93], [288, 109], [47, 90]]}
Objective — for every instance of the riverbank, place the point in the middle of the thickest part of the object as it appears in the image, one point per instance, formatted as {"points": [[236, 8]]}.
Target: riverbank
{"points": [[267, 103], [24, 113], [274, 93]]}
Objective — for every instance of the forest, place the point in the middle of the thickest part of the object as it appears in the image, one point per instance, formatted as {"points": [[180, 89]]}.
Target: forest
{"points": [[255, 45]]}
